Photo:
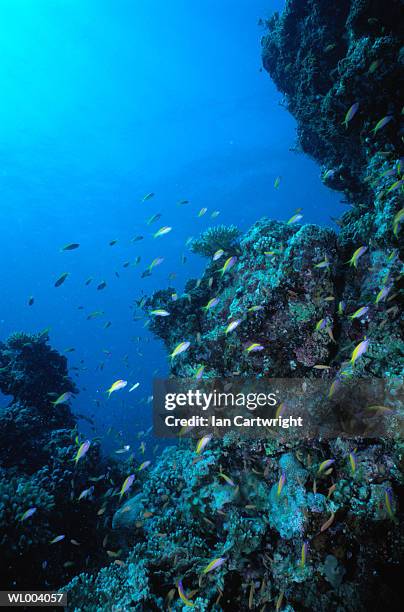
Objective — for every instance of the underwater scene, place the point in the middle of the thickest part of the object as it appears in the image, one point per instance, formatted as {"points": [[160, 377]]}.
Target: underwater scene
{"points": [[201, 327]]}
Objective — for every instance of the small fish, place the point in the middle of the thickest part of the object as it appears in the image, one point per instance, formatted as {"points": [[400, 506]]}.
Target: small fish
{"points": [[211, 304], [294, 219], [215, 564], [162, 231], [227, 479], [202, 443], [143, 466], [281, 484], [323, 264], [395, 185], [62, 399], [199, 372], [180, 348], [328, 174], [325, 465], [351, 112], [217, 255], [133, 387], [160, 313], [112, 242], [359, 351], [253, 347], [255, 308], [148, 196], [101, 286], [277, 182], [113, 554], [279, 601], [126, 485], [182, 595], [125, 449], [229, 263], [388, 500], [31, 300], [328, 523], [280, 410], [397, 220], [117, 386], [153, 218], [380, 409], [70, 247], [107, 324], [341, 307], [202, 212], [357, 254], [383, 293], [28, 513], [331, 490], [374, 66], [352, 462], [86, 493], [82, 451], [156, 262], [88, 281], [359, 313], [61, 279], [75, 543], [380, 124], [232, 326], [215, 214], [321, 324], [137, 238], [95, 315], [303, 555], [58, 538], [182, 202]]}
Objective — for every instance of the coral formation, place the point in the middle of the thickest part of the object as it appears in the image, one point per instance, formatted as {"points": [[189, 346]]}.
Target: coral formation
{"points": [[308, 296], [326, 59], [38, 443], [218, 237]]}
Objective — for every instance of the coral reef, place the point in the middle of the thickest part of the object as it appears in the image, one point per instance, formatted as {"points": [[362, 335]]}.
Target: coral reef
{"points": [[307, 296], [183, 515], [215, 238], [327, 539], [38, 444], [287, 279], [326, 59]]}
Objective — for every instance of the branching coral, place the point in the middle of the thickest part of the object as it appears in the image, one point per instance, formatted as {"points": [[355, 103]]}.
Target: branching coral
{"points": [[223, 237]]}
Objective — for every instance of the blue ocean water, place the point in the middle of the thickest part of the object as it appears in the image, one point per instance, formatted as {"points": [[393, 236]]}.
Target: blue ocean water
{"points": [[101, 103]]}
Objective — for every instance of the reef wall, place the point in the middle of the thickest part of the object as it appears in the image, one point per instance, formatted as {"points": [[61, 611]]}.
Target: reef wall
{"points": [[328, 58], [289, 290], [307, 296], [40, 481]]}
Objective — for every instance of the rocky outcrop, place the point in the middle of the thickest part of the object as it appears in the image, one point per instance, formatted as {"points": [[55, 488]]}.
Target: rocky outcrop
{"points": [[327, 59], [40, 481]]}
